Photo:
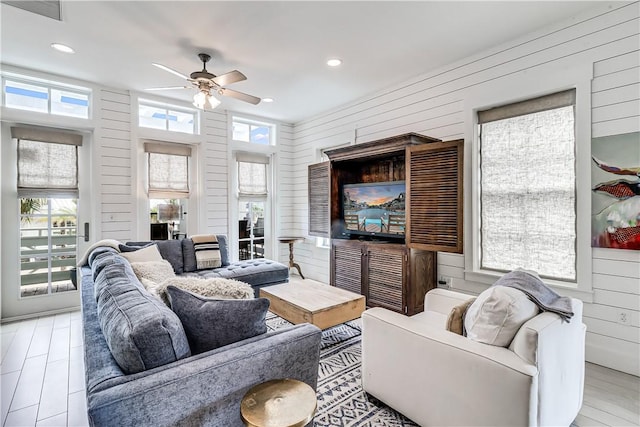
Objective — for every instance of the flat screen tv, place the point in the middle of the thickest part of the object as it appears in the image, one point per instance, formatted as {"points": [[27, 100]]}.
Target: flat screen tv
{"points": [[374, 209]]}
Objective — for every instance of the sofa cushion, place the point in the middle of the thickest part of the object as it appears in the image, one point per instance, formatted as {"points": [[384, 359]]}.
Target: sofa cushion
{"points": [[212, 323], [171, 250], [497, 314], [141, 332], [189, 253], [455, 320], [254, 272]]}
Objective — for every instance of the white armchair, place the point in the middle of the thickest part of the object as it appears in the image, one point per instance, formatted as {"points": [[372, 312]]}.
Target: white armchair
{"points": [[438, 378]]}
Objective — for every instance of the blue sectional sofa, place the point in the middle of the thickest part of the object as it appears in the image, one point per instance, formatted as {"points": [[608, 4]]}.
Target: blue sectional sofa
{"points": [[140, 370], [257, 272]]}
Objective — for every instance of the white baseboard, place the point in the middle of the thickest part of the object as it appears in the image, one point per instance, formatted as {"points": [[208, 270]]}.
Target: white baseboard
{"points": [[614, 358], [40, 314]]}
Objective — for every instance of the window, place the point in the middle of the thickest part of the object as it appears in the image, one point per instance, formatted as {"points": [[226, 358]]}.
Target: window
{"points": [[166, 117], [527, 187], [47, 191], [253, 201], [168, 188], [252, 131], [23, 93]]}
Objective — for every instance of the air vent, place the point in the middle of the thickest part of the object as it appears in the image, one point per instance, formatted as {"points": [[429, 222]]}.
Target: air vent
{"points": [[50, 9]]}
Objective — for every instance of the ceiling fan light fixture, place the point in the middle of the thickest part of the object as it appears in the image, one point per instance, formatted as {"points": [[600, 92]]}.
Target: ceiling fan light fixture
{"points": [[267, 99], [205, 101]]}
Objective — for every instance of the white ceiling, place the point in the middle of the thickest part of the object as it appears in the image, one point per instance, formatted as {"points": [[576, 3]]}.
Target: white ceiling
{"points": [[281, 47]]}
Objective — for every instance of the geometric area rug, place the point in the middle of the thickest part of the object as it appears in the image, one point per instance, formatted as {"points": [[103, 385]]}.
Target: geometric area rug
{"points": [[341, 400]]}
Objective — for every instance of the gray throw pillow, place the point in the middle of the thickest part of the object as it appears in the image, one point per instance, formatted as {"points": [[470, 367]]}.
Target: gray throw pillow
{"points": [[211, 323]]}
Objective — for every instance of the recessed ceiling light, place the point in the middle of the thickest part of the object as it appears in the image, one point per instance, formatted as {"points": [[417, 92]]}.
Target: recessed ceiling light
{"points": [[62, 48], [267, 99], [334, 62]]}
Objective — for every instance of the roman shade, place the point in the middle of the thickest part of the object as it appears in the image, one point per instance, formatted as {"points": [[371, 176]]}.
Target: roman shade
{"points": [[528, 186], [252, 174], [47, 162], [168, 170]]}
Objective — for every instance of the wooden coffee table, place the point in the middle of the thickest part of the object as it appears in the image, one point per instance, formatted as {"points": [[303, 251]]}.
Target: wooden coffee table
{"points": [[319, 304]]}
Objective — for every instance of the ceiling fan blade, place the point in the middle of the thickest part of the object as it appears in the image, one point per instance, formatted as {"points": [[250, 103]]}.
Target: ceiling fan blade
{"points": [[171, 70], [239, 95], [228, 78], [168, 88]]}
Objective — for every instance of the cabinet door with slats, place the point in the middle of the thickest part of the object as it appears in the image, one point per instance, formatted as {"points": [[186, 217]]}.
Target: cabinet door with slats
{"points": [[434, 187], [319, 199], [347, 267], [386, 272]]}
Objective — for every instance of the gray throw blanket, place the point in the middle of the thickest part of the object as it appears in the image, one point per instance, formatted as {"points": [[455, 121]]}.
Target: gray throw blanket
{"points": [[538, 292]]}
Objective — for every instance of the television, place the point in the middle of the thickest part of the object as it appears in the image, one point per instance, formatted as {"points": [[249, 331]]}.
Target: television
{"points": [[374, 210]]}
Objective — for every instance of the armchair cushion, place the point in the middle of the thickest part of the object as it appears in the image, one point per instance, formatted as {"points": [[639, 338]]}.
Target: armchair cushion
{"points": [[497, 314]]}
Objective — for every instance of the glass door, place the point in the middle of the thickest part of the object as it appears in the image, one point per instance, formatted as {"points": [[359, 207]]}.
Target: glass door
{"points": [[48, 233], [251, 235]]}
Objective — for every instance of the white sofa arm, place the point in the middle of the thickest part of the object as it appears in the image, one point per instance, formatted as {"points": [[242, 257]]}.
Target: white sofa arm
{"points": [[443, 300], [430, 374]]}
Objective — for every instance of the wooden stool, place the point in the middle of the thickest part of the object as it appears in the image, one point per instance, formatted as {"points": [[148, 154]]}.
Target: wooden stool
{"points": [[279, 403]]}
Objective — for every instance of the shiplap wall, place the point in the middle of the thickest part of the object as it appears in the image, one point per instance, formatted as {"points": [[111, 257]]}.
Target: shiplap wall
{"points": [[113, 151], [215, 172], [605, 41]]}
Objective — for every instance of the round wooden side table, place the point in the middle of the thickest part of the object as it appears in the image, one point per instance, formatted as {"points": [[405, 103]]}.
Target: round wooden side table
{"points": [[279, 403], [291, 241]]}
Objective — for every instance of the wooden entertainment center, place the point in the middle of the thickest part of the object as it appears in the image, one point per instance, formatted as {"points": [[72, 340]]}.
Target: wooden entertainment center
{"points": [[391, 269]]}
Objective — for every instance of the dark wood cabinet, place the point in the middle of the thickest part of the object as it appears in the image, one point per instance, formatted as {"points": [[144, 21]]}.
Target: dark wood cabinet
{"points": [[392, 271], [389, 275]]}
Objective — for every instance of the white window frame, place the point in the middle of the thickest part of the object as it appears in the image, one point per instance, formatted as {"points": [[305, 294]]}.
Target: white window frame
{"points": [[521, 87], [254, 122], [145, 102], [49, 85]]}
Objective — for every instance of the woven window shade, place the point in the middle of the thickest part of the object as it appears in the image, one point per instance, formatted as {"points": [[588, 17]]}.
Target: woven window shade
{"points": [[435, 190], [319, 199], [527, 202], [252, 174], [168, 170], [47, 162]]}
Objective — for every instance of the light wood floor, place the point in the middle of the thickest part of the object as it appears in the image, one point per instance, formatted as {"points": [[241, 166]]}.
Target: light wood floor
{"points": [[43, 379]]}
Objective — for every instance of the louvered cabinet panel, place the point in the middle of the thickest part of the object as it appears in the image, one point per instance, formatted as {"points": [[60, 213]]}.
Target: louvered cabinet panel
{"points": [[434, 187], [319, 199], [386, 272], [347, 266]]}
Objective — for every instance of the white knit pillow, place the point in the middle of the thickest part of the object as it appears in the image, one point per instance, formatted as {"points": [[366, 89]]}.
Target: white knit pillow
{"points": [[155, 271], [497, 314], [148, 253]]}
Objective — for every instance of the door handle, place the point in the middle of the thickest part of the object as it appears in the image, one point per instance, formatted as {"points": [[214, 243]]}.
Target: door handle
{"points": [[86, 231]]}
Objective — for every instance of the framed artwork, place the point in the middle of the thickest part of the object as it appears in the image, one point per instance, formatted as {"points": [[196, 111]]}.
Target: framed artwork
{"points": [[615, 200]]}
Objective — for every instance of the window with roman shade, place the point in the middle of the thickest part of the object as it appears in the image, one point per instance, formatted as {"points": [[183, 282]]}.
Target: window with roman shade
{"points": [[252, 174], [168, 170], [527, 186], [47, 162]]}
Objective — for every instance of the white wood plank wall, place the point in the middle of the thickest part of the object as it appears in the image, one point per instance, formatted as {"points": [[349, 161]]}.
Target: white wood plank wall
{"points": [[215, 172], [606, 40], [113, 143]]}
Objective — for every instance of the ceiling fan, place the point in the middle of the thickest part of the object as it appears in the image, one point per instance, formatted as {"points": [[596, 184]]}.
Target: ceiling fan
{"points": [[209, 84]]}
